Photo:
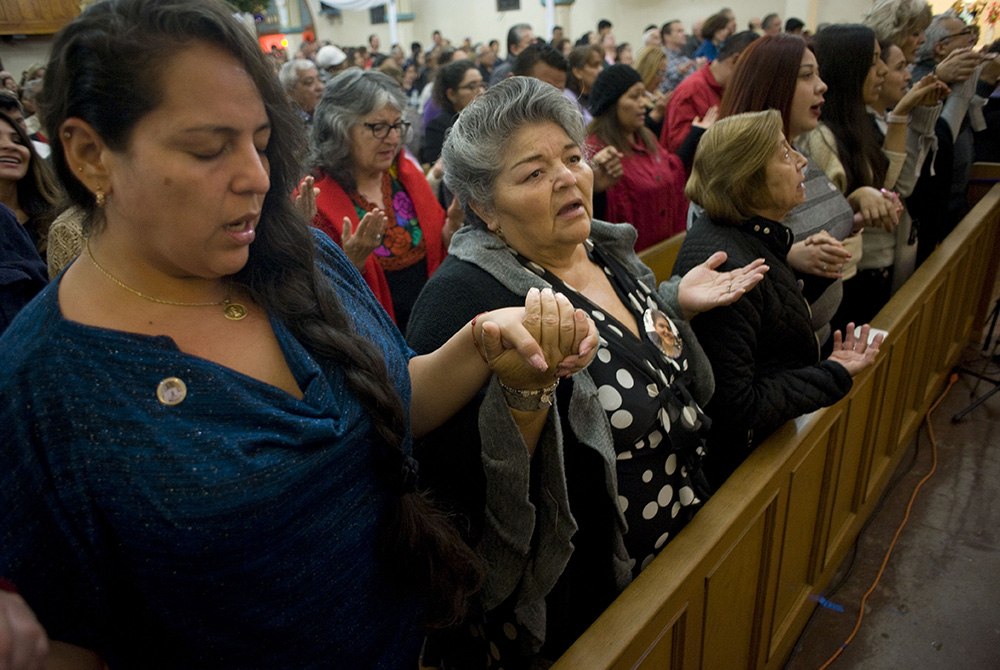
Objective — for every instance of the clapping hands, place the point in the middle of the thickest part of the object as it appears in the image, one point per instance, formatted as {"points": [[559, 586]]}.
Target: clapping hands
{"points": [[359, 244], [607, 164], [875, 208], [927, 92], [305, 199]]}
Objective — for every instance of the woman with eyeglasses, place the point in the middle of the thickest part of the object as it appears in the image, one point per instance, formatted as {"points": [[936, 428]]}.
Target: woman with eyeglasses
{"points": [[457, 84], [374, 200]]}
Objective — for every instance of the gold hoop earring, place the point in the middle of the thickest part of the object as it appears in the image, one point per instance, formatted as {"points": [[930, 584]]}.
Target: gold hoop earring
{"points": [[99, 197]]}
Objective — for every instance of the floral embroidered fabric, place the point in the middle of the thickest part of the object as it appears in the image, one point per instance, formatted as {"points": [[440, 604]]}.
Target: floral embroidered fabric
{"points": [[403, 244]]}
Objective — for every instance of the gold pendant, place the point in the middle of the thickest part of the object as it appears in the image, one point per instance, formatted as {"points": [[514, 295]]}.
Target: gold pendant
{"points": [[234, 311]]}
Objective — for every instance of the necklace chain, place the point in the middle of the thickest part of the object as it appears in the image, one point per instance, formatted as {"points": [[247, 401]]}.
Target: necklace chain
{"points": [[232, 310]]}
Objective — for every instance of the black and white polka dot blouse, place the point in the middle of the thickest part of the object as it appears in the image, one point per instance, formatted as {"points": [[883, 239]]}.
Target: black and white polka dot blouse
{"points": [[658, 427]]}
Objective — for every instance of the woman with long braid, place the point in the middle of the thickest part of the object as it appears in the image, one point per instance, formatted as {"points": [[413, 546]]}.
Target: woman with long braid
{"points": [[207, 418]]}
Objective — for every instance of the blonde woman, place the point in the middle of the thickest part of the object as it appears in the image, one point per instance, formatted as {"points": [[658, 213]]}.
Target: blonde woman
{"points": [[651, 64]]}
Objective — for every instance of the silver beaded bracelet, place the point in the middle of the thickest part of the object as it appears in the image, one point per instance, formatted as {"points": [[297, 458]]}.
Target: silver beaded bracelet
{"points": [[532, 400]]}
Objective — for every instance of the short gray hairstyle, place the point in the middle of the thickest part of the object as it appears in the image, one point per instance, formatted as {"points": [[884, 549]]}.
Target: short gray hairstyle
{"points": [[349, 96], [894, 20], [289, 73], [934, 34], [517, 33], [485, 128]]}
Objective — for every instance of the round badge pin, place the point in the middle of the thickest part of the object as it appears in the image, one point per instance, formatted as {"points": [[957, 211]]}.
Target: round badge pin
{"points": [[171, 391]]}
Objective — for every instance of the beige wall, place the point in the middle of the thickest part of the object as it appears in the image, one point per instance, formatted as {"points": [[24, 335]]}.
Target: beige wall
{"points": [[18, 55], [479, 20]]}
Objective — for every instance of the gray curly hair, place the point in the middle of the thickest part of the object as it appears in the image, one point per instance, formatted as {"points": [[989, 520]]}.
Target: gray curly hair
{"points": [[894, 20], [349, 96], [484, 129]]}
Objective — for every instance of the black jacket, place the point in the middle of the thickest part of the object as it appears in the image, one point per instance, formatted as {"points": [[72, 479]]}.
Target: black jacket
{"points": [[763, 351]]}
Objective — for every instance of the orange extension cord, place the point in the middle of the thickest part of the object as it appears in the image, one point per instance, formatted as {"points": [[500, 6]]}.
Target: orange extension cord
{"points": [[861, 611]]}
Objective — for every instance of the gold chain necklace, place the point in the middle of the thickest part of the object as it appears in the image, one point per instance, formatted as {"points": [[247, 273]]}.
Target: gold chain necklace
{"points": [[233, 311]]}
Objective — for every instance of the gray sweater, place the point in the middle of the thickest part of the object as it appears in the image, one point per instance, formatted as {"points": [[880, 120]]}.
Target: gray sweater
{"points": [[526, 543]]}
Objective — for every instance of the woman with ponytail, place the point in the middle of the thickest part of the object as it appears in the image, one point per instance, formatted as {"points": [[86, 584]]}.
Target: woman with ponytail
{"points": [[207, 418]]}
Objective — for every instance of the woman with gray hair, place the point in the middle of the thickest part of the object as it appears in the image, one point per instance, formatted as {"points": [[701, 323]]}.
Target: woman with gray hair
{"points": [[901, 22], [373, 200], [564, 525], [764, 353]]}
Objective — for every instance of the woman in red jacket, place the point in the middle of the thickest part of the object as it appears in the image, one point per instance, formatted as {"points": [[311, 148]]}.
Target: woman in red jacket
{"points": [[650, 194], [373, 200]]}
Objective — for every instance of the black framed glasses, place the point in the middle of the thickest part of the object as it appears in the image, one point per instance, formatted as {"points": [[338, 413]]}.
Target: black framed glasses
{"points": [[478, 86], [381, 130]]}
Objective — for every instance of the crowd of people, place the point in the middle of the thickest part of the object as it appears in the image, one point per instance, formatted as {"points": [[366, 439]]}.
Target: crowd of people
{"points": [[349, 359]]}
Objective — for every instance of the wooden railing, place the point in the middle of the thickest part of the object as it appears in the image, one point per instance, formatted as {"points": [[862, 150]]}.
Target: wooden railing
{"points": [[660, 257], [984, 176], [737, 586]]}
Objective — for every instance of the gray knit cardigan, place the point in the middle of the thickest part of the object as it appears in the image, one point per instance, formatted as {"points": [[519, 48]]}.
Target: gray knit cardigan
{"points": [[514, 563]]}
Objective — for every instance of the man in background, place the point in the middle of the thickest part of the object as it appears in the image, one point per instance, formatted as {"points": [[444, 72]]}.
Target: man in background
{"points": [[794, 26], [300, 79], [485, 60], [702, 91], [519, 38], [603, 28], [679, 66], [771, 24], [331, 61], [542, 62]]}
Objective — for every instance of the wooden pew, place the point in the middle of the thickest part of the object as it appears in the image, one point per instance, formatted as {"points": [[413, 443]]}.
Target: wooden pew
{"points": [[984, 176], [660, 257], [737, 586]]}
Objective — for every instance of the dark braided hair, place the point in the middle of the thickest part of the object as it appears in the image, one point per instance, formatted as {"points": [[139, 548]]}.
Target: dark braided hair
{"points": [[105, 69]]}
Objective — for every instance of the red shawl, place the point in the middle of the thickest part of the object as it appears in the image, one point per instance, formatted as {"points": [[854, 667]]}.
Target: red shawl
{"points": [[333, 204]]}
